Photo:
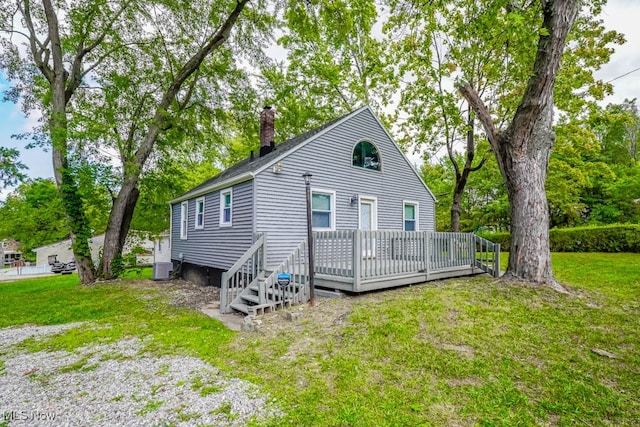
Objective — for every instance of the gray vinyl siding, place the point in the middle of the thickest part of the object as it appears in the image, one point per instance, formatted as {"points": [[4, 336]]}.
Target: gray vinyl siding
{"points": [[280, 198], [215, 246]]}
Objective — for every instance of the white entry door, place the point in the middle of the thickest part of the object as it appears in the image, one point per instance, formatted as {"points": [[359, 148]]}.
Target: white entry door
{"points": [[368, 222]]}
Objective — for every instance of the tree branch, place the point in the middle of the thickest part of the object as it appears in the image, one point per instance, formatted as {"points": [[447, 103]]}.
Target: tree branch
{"points": [[475, 168], [482, 112], [183, 105], [37, 48], [75, 78], [160, 117]]}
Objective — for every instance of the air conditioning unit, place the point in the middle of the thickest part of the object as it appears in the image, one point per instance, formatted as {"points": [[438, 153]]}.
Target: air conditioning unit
{"points": [[162, 270]]}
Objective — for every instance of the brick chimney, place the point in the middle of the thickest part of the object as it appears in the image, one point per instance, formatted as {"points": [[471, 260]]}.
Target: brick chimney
{"points": [[267, 130]]}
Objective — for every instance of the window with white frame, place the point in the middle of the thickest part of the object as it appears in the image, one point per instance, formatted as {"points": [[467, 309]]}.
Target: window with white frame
{"points": [[323, 210], [365, 155], [410, 216], [184, 219], [199, 223], [226, 204]]}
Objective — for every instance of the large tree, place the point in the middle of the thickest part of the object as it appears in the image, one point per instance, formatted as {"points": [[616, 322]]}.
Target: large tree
{"points": [[524, 145], [487, 44], [100, 46]]}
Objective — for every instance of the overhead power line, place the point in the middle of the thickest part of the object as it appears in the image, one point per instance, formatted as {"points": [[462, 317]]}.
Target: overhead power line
{"points": [[622, 75]]}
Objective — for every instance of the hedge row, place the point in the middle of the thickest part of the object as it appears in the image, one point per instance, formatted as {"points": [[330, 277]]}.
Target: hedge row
{"points": [[608, 238]]}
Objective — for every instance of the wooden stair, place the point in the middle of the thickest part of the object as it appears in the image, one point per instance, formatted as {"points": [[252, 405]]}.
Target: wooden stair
{"points": [[251, 287], [248, 302]]}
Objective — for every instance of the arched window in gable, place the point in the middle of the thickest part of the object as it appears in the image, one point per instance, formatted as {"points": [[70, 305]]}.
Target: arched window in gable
{"points": [[365, 155]]}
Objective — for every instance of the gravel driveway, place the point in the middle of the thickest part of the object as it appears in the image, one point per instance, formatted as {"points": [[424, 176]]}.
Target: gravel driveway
{"points": [[114, 385]]}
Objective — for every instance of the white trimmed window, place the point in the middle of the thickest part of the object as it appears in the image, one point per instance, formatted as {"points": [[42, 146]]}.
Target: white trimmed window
{"points": [[226, 204], [199, 223], [365, 155], [323, 210], [184, 219], [410, 216]]}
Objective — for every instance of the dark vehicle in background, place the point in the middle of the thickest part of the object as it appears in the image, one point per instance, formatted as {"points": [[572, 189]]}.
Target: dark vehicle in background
{"points": [[63, 268]]}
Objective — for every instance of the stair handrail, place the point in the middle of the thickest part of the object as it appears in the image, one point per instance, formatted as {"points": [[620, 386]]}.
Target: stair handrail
{"points": [[488, 260], [295, 264], [230, 284]]}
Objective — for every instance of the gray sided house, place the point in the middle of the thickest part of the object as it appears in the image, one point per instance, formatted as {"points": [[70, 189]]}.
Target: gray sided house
{"points": [[361, 180], [373, 221]]}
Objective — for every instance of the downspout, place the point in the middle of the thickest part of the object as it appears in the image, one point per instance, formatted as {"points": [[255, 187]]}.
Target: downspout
{"points": [[170, 232]]}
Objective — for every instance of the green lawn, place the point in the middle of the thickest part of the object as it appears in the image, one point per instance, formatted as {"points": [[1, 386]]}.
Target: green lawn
{"points": [[457, 352], [117, 310]]}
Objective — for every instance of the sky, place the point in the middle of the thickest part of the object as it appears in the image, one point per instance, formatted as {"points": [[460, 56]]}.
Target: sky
{"points": [[620, 15]]}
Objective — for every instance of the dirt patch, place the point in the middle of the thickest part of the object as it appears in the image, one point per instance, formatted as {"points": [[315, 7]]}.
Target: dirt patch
{"points": [[465, 350], [462, 382], [327, 316], [180, 293]]}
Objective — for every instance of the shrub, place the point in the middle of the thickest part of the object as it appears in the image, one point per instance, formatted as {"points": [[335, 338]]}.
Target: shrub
{"points": [[608, 238]]}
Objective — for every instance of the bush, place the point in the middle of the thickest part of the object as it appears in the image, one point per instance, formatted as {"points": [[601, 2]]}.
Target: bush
{"points": [[608, 238]]}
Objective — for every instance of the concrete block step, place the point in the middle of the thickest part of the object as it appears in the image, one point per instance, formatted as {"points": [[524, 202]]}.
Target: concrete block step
{"points": [[260, 309]]}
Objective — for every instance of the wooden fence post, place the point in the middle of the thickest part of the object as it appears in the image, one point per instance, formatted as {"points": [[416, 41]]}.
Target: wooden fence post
{"points": [[357, 258], [427, 241]]}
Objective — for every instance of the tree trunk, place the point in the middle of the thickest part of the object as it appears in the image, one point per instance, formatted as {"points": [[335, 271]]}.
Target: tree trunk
{"points": [[71, 200], [525, 173], [456, 210], [118, 228], [523, 149], [79, 227], [463, 176], [124, 204]]}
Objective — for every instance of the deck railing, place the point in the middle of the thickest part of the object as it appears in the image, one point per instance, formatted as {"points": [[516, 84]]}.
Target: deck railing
{"points": [[333, 252], [242, 274], [450, 250], [363, 255]]}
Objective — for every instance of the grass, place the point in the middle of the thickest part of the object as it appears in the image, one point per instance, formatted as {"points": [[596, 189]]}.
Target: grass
{"points": [[115, 311], [457, 352], [468, 352]]}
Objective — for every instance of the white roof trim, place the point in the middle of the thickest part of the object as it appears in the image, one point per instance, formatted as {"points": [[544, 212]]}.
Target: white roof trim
{"points": [[66, 241], [213, 187], [51, 245]]}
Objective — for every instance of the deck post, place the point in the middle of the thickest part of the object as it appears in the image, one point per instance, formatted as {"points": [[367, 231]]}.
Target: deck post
{"points": [[496, 260], [264, 252], [357, 258], [473, 251], [426, 235], [224, 292]]}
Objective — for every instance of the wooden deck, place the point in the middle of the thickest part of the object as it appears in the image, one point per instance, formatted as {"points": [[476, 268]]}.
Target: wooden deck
{"points": [[360, 261], [355, 261]]}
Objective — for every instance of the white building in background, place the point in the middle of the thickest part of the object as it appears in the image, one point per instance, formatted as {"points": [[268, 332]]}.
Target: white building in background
{"points": [[63, 253]]}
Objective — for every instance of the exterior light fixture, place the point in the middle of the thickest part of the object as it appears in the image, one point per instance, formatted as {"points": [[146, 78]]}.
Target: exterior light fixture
{"points": [[307, 178]]}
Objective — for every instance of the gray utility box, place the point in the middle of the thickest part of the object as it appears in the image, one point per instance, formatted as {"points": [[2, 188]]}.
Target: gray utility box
{"points": [[162, 270]]}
